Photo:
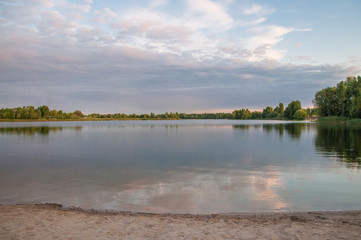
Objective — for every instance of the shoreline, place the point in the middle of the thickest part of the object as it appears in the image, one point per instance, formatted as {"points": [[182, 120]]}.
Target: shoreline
{"points": [[91, 211], [146, 119], [51, 221]]}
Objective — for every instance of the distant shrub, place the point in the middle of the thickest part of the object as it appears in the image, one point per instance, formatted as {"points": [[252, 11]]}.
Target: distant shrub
{"points": [[300, 114]]}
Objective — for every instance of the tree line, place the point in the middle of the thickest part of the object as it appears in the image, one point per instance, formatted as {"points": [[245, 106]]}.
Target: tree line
{"points": [[343, 100], [165, 115], [293, 111], [42, 112]]}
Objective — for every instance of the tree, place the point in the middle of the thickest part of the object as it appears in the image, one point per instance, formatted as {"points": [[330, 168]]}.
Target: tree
{"points": [[241, 114], [32, 114], [292, 109], [268, 112], [44, 111], [279, 109], [300, 114], [78, 114], [37, 113], [342, 100], [256, 115], [53, 113], [355, 109]]}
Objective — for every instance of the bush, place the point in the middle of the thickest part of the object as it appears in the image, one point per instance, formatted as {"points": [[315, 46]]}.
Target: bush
{"points": [[300, 114]]}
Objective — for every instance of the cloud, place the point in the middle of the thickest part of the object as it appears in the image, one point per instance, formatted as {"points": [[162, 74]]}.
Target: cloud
{"points": [[158, 3], [263, 39], [194, 34], [127, 79], [213, 13], [256, 9], [43, 3], [267, 35], [149, 60], [256, 22], [252, 10], [72, 7], [106, 12], [105, 15], [84, 8]]}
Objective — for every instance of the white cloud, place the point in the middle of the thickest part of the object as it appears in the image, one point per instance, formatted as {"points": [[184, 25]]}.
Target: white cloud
{"points": [[267, 35], [139, 50], [158, 3], [214, 14], [43, 3], [109, 13], [194, 34], [251, 22], [138, 22], [145, 54], [263, 39], [256, 9], [258, 21], [197, 33], [84, 8], [72, 7], [105, 15], [54, 22], [252, 10]]}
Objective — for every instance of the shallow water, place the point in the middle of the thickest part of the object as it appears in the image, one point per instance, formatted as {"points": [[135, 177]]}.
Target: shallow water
{"points": [[188, 166]]}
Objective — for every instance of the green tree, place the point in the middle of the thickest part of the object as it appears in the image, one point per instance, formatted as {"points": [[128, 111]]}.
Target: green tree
{"points": [[256, 115], [241, 114], [37, 113], [342, 100], [53, 114], [300, 114], [292, 109], [355, 110], [279, 110], [268, 112], [78, 114], [32, 112], [44, 111]]}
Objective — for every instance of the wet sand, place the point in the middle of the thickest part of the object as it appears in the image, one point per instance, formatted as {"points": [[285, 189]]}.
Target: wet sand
{"points": [[51, 221]]}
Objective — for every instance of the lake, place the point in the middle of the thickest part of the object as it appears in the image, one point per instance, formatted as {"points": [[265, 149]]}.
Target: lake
{"points": [[185, 166]]}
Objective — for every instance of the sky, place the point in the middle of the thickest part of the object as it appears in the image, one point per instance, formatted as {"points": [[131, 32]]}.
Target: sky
{"points": [[158, 56]]}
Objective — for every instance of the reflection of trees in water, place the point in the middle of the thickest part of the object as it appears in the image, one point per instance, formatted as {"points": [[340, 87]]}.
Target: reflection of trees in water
{"points": [[34, 130], [294, 130], [344, 141], [242, 127]]}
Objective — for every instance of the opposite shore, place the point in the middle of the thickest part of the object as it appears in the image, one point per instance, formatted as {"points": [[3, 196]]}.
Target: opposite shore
{"points": [[130, 119], [322, 120]]}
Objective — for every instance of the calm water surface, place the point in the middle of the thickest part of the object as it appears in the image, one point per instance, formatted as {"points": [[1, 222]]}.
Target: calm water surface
{"points": [[189, 166]]}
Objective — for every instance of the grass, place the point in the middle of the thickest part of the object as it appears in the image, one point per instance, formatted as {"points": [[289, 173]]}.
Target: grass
{"points": [[339, 120]]}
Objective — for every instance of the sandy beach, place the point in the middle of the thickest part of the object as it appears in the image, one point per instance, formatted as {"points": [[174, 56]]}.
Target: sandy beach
{"points": [[52, 221]]}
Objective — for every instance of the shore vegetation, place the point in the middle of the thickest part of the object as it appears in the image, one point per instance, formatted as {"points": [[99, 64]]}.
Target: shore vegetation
{"points": [[340, 104], [293, 111]]}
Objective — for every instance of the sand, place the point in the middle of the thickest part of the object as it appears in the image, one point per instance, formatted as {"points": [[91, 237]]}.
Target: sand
{"points": [[51, 221]]}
